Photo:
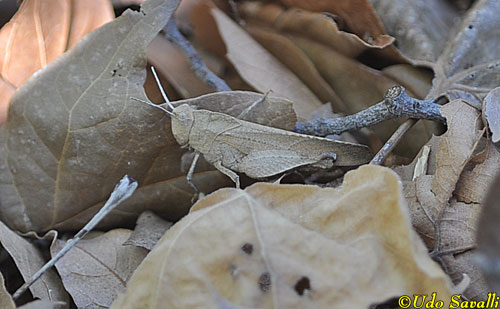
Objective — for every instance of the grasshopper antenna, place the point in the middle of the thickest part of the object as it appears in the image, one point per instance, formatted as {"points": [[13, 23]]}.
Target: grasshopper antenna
{"points": [[154, 105], [163, 94]]}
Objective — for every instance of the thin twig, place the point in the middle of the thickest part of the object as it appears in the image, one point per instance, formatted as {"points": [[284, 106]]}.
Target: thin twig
{"points": [[380, 157], [196, 64], [397, 103], [122, 191]]}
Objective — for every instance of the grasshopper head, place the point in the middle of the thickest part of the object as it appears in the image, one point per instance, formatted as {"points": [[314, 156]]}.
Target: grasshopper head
{"points": [[182, 121]]}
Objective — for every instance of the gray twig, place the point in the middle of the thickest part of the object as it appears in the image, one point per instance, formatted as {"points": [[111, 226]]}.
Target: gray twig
{"points": [[396, 103], [122, 191], [391, 143], [196, 64]]}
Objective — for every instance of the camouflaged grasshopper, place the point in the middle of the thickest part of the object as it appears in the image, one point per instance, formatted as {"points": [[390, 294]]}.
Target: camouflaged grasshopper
{"points": [[233, 145]]}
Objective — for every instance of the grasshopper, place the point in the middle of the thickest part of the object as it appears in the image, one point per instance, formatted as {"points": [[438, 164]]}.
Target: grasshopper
{"points": [[233, 145]]}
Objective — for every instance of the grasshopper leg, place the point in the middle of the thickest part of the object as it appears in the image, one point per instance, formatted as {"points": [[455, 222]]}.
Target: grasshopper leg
{"points": [[229, 173], [190, 173]]}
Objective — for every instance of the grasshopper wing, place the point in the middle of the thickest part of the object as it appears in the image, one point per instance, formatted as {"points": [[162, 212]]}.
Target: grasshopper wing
{"points": [[266, 163]]}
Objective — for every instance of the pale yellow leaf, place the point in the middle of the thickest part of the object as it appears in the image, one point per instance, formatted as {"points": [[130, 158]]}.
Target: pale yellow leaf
{"points": [[290, 246]]}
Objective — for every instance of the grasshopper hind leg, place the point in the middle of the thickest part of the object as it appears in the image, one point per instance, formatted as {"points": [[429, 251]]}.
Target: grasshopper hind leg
{"points": [[229, 173]]}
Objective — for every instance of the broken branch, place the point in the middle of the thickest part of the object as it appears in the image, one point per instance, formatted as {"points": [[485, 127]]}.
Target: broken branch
{"points": [[397, 103]]}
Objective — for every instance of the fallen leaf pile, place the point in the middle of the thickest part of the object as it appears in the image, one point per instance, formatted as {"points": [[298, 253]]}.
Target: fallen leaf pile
{"points": [[72, 124]]}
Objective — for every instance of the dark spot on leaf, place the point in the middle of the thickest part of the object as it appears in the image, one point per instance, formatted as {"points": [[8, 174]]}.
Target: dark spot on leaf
{"points": [[302, 285], [265, 282], [247, 248]]}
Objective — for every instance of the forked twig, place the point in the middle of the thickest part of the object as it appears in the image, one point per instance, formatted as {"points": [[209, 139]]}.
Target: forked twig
{"points": [[122, 191]]}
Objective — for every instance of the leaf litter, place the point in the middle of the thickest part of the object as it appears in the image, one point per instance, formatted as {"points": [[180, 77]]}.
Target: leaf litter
{"points": [[73, 131]]}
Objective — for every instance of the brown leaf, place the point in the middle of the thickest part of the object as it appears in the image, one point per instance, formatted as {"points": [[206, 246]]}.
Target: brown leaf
{"points": [[319, 27], [456, 147], [457, 231], [98, 267], [148, 230], [491, 113], [295, 59], [5, 298], [171, 61], [359, 16], [414, 79], [261, 70], [205, 28], [474, 184], [487, 236], [421, 27], [29, 260], [287, 246], [36, 36], [469, 66]]}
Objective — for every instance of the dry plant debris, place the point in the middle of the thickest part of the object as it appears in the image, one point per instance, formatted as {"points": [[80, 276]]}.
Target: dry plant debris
{"points": [[72, 124]]}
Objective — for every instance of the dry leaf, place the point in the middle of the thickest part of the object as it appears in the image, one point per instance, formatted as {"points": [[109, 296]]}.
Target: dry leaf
{"points": [[261, 70], [491, 113], [290, 246], [447, 226], [474, 184], [359, 16], [97, 269], [487, 236], [36, 36], [469, 66], [456, 147], [458, 226], [295, 59], [29, 260], [205, 28], [6, 301], [362, 87], [171, 61], [148, 230], [320, 27], [421, 27], [416, 80]]}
